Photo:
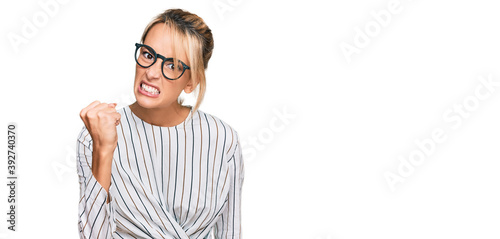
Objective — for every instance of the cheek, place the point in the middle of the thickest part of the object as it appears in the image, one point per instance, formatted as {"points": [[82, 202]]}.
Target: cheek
{"points": [[139, 72], [187, 75]]}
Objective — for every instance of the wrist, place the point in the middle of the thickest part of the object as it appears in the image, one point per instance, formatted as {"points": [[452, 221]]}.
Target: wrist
{"points": [[102, 162], [103, 149], [102, 157]]}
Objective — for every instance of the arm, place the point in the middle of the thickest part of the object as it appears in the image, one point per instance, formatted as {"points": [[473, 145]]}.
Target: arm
{"points": [[95, 146], [96, 216], [229, 225]]}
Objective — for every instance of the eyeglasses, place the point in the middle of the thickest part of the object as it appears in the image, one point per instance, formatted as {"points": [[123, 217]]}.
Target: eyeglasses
{"points": [[145, 56]]}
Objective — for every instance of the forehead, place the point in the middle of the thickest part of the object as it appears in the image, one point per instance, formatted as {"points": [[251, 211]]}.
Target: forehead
{"points": [[161, 38]]}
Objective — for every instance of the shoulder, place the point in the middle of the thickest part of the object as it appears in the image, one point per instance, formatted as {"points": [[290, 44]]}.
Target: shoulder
{"points": [[225, 132]]}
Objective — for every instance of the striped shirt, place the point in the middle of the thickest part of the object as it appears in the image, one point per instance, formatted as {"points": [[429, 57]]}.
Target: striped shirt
{"points": [[179, 182]]}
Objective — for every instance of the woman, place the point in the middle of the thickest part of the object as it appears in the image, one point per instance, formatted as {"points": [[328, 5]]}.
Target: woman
{"points": [[156, 168]]}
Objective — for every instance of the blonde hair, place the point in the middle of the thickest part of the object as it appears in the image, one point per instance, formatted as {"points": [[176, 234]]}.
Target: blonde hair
{"points": [[190, 33]]}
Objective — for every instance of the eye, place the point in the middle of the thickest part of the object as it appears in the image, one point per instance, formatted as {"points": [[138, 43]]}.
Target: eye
{"points": [[148, 55], [170, 66]]}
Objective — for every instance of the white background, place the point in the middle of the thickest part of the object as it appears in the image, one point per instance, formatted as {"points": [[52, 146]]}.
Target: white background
{"points": [[319, 173]]}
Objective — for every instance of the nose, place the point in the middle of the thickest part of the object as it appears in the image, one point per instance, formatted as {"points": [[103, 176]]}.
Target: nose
{"points": [[154, 72]]}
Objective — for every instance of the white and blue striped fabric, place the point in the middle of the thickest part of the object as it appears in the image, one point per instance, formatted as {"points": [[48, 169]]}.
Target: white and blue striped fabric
{"points": [[179, 182]]}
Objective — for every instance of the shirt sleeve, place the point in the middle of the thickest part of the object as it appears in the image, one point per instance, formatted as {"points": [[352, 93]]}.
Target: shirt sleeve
{"points": [[96, 216], [229, 224]]}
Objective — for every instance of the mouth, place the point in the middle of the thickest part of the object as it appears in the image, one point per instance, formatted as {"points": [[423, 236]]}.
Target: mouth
{"points": [[148, 90]]}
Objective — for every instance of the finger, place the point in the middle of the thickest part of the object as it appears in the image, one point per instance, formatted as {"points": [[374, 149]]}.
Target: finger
{"points": [[118, 117], [93, 105], [97, 108], [96, 102], [84, 111], [110, 116], [104, 114], [109, 110], [112, 105]]}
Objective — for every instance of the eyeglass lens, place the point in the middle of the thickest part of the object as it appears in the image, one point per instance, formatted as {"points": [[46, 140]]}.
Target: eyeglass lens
{"points": [[146, 56]]}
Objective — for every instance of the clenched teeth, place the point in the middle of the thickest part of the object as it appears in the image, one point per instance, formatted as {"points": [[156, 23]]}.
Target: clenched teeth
{"points": [[150, 89]]}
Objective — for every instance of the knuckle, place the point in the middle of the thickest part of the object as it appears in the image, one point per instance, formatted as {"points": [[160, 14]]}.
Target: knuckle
{"points": [[91, 114]]}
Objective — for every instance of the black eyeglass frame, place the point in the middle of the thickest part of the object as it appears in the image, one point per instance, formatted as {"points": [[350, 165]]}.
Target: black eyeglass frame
{"points": [[156, 56]]}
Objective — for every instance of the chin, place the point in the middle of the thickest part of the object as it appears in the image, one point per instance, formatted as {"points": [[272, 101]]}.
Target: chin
{"points": [[146, 102]]}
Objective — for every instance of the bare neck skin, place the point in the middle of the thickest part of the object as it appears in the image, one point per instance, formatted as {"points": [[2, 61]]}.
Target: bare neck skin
{"points": [[163, 117]]}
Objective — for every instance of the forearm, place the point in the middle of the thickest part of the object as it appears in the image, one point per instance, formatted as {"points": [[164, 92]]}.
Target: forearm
{"points": [[96, 207], [101, 166]]}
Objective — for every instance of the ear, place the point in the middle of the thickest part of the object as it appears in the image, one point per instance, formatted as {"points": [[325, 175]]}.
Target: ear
{"points": [[190, 86]]}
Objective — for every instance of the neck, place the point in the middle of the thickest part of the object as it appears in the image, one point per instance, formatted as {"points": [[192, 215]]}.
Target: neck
{"points": [[164, 117]]}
